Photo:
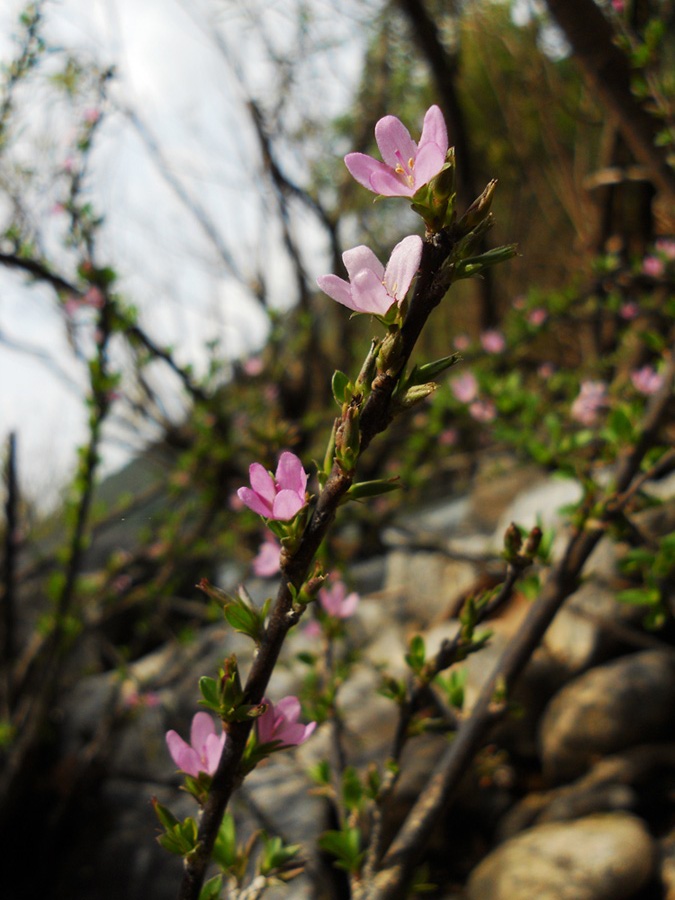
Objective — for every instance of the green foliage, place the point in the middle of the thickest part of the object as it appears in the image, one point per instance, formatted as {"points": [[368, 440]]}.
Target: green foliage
{"points": [[345, 846]]}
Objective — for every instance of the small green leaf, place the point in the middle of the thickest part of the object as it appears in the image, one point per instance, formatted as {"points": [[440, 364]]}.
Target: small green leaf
{"points": [[342, 387], [211, 889], [366, 489], [208, 688], [416, 655]]}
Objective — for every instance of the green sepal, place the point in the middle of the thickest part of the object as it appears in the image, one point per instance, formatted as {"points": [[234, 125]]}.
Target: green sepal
{"points": [[474, 265], [208, 688]]}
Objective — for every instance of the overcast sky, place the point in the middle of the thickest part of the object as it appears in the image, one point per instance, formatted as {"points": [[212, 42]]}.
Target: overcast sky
{"points": [[169, 71]]}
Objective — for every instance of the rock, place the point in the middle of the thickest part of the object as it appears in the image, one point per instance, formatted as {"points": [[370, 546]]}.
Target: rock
{"points": [[609, 708], [601, 857], [423, 585], [577, 637], [539, 504]]}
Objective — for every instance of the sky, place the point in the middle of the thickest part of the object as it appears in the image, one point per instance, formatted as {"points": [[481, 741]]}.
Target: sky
{"points": [[187, 91]]}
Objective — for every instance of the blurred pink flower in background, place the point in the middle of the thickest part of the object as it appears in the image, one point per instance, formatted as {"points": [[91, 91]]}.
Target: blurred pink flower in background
{"points": [[483, 411], [203, 752], [591, 399], [267, 562], [492, 341], [280, 723], [537, 316], [462, 341], [448, 437], [92, 115], [252, 366], [647, 380], [280, 497], [407, 166], [464, 387], [337, 602], [629, 310], [545, 370], [653, 266]]}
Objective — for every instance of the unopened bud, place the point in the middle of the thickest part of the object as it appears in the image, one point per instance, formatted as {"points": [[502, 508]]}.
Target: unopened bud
{"points": [[532, 543], [479, 209], [348, 440], [415, 395], [389, 357], [513, 541]]}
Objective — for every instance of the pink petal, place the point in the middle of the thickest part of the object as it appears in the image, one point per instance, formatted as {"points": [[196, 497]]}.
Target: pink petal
{"points": [[262, 482], [360, 259], [428, 163], [213, 750], [336, 288], [388, 184], [434, 130], [369, 294], [289, 708], [290, 474], [394, 141], [348, 606], [265, 723], [267, 562], [403, 265], [202, 727], [362, 168], [286, 505], [182, 754], [254, 502]]}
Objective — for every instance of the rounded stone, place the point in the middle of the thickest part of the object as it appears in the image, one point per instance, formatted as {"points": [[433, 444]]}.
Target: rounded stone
{"points": [[601, 857], [612, 707]]}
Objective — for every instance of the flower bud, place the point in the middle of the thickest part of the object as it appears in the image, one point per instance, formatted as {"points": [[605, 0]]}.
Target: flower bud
{"points": [[415, 395], [479, 210], [348, 440]]}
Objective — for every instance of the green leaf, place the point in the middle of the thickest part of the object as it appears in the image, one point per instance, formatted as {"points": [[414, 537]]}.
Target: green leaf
{"points": [[352, 789], [366, 489], [225, 847], [276, 854], [211, 889], [416, 655], [208, 688], [645, 596], [342, 387], [345, 847]]}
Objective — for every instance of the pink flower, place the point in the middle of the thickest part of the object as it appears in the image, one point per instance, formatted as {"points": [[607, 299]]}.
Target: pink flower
{"points": [[492, 341], [92, 115], [653, 266], [483, 411], [537, 316], [253, 366], [407, 166], [203, 752], [464, 387], [462, 341], [336, 602], [591, 399], [372, 288], [629, 310], [545, 370], [267, 562], [280, 723], [448, 437], [279, 497], [646, 380]]}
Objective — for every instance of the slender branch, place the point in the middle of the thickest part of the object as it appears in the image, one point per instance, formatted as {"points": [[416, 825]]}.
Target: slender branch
{"points": [[9, 564], [376, 415]]}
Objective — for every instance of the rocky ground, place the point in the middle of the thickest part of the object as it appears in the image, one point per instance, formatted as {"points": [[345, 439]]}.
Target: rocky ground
{"points": [[573, 798]]}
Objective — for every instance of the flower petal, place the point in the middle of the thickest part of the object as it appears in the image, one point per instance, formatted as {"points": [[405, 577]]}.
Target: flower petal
{"points": [[348, 605], [362, 168], [286, 505], [213, 750], [337, 289], [429, 163], [254, 502], [265, 723], [394, 141], [388, 184], [370, 295], [202, 727], [402, 266], [182, 754], [360, 259], [262, 482], [290, 474], [434, 130], [289, 708]]}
